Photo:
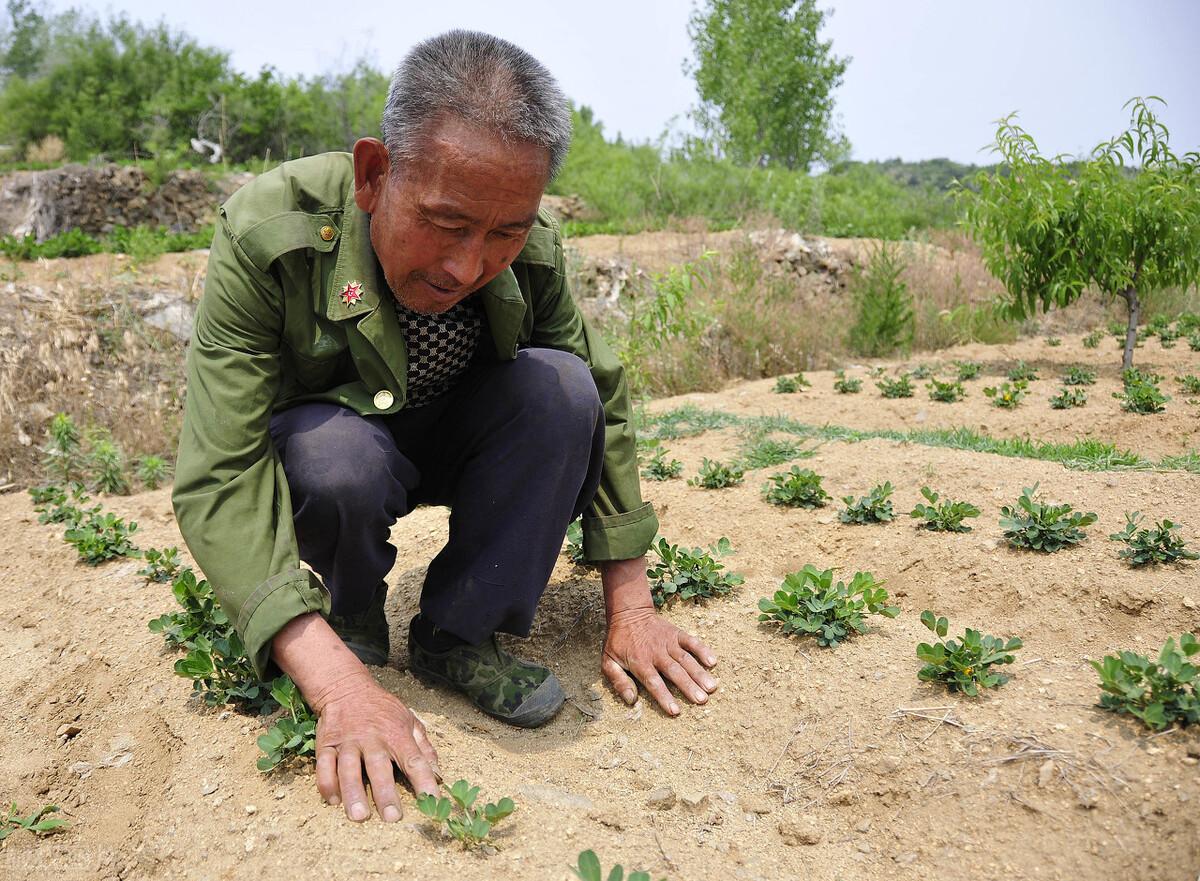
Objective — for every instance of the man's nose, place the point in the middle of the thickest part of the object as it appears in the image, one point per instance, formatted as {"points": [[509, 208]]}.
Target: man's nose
{"points": [[465, 261]]}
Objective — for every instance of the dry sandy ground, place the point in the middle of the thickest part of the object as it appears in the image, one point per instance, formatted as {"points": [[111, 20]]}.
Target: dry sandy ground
{"points": [[807, 763]]}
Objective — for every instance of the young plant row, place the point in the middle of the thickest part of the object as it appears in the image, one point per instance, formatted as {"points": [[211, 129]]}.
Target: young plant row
{"points": [[94, 459]]}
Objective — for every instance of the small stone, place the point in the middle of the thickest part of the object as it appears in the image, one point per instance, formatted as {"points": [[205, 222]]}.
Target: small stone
{"points": [[68, 730], [726, 796], [694, 801], [802, 831], [662, 798], [863, 826], [905, 859], [280, 793], [557, 798], [83, 769], [1046, 773], [251, 809], [1087, 798], [888, 764], [864, 847], [1193, 749], [207, 788], [1189, 603]]}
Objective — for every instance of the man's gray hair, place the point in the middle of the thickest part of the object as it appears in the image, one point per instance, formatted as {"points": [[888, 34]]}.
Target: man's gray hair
{"points": [[482, 80]]}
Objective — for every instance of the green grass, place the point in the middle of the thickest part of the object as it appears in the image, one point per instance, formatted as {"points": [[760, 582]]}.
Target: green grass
{"points": [[1080, 455]]}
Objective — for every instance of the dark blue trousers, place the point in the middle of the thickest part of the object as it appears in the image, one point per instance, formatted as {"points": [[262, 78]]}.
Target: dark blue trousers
{"points": [[515, 452]]}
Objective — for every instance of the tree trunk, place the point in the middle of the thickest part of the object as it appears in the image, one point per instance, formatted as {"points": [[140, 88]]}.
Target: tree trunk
{"points": [[1129, 295]]}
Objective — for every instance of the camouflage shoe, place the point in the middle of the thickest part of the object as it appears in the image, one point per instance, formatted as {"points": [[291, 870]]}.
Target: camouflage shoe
{"points": [[366, 634], [515, 691]]}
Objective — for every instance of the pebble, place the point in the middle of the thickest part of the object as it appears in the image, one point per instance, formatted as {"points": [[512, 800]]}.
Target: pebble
{"points": [[662, 798], [694, 801], [251, 809], [207, 788], [756, 804], [864, 847], [1189, 603], [68, 730], [726, 796], [280, 793], [803, 831], [863, 826]]}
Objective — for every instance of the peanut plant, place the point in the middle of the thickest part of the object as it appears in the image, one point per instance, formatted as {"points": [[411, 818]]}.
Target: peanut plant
{"points": [[574, 543], [1079, 376], [1092, 340], [967, 370], [717, 475], [1007, 396], [964, 665], [690, 573], [946, 392], [469, 825], [658, 468], [1053, 342], [1160, 693], [588, 869], [944, 516], [900, 387], [1162, 543], [101, 537], [1040, 527], [844, 386], [798, 488], [1022, 372], [875, 507], [789, 385], [1068, 398], [161, 566], [1142, 395], [1189, 383], [294, 734], [810, 603]]}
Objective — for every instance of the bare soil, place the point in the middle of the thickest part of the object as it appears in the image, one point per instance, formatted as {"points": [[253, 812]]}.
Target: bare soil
{"points": [[807, 763]]}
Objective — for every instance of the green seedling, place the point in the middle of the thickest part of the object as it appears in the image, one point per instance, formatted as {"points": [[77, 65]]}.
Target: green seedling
{"points": [[1022, 372], [1194, 341], [1189, 383], [659, 468], [798, 488], [1160, 693], [62, 455], [945, 516], [588, 869], [574, 545], [1092, 340], [1041, 527], [875, 507], [54, 506], [161, 566], [1079, 376], [37, 822], [789, 385], [690, 573], [968, 370], [107, 464], [470, 826], [101, 537], [921, 371], [810, 603], [946, 392], [1167, 337], [152, 471], [1068, 398], [1141, 394], [294, 735], [876, 372], [1053, 342], [200, 614], [222, 674], [716, 475], [900, 387], [1133, 376], [1162, 543], [964, 665], [844, 386], [1007, 396]]}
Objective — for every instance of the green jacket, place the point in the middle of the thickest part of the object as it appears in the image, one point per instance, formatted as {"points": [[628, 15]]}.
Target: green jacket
{"points": [[271, 332]]}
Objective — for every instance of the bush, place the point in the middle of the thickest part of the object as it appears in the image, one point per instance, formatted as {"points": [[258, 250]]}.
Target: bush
{"points": [[884, 316]]}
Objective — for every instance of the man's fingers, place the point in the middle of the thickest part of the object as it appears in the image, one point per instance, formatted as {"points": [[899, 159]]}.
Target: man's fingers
{"points": [[697, 648], [349, 772], [327, 779], [658, 689], [426, 747], [683, 681], [383, 785], [619, 679], [699, 675]]}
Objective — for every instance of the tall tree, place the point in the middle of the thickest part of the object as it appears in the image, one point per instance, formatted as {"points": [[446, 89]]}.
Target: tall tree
{"points": [[23, 43], [1050, 230], [766, 81]]}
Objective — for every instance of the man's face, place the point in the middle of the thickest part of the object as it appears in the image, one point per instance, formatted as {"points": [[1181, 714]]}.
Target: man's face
{"points": [[447, 224]]}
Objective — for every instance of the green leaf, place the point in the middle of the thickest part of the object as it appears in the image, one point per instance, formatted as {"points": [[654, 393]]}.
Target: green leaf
{"points": [[588, 867]]}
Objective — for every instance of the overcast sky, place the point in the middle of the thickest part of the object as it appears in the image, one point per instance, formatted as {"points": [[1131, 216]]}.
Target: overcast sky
{"points": [[927, 77]]}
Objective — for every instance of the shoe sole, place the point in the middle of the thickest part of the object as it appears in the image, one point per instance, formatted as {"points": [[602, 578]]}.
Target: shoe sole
{"points": [[538, 709]]}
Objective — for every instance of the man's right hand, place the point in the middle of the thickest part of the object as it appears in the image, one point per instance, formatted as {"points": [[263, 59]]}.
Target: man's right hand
{"points": [[359, 723], [362, 725]]}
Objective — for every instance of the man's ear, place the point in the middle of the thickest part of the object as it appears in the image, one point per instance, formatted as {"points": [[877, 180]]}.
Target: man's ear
{"points": [[371, 169]]}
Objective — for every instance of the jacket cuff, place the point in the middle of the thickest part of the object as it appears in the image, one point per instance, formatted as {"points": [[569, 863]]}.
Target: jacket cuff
{"points": [[619, 536], [273, 604]]}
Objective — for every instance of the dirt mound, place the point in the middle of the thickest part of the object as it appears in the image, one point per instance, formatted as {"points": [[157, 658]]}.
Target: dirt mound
{"points": [[807, 763]]}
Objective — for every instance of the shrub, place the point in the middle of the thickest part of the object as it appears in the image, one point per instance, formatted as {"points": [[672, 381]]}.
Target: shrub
{"points": [[900, 387], [810, 603], [1160, 693], [690, 574], [946, 392], [768, 451], [844, 386], [798, 488], [1079, 376], [964, 665], [884, 318], [1007, 396], [1160, 544], [1068, 398], [716, 475], [1042, 527], [468, 825], [875, 507], [946, 516], [658, 468]]}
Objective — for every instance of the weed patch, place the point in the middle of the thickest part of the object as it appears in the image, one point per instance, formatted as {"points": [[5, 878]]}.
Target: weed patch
{"points": [[765, 452]]}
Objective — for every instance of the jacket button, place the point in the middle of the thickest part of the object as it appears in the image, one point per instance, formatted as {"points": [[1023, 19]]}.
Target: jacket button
{"points": [[327, 233], [383, 400]]}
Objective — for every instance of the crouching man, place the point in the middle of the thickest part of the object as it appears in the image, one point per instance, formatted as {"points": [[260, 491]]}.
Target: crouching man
{"points": [[394, 328]]}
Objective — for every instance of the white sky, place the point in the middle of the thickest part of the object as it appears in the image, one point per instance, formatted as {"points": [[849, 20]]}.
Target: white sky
{"points": [[927, 77]]}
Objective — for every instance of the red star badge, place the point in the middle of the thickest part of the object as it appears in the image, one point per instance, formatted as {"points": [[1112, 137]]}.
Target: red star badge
{"points": [[352, 292]]}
